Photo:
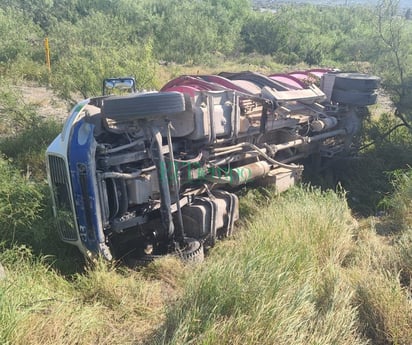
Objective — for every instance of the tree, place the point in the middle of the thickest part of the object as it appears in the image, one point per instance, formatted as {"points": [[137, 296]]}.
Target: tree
{"points": [[189, 31], [24, 42], [393, 58], [408, 14], [263, 33]]}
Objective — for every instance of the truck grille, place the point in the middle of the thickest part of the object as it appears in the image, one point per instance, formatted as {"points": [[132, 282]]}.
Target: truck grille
{"points": [[62, 199]]}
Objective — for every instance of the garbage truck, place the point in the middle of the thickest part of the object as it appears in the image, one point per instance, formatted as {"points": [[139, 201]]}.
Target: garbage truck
{"points": [[139, 174]]}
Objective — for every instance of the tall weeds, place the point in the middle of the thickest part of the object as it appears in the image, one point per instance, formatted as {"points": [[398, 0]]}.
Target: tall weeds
{"points": [[21, 203], [301, 271], [278, 283]]}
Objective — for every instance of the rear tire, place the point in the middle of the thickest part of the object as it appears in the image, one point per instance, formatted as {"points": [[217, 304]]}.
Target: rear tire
{"points": [[354, 97], [356, 81], [192, 252], [141, 261]]}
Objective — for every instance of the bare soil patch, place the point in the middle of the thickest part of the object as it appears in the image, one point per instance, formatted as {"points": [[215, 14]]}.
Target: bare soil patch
{"points": [[48, 104]]}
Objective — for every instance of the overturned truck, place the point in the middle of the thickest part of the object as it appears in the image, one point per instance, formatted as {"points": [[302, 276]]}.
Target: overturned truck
{"points": [[142, 174]]}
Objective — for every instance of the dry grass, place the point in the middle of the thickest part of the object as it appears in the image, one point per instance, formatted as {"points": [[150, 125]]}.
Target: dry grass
{"points": [[301, 271], [379, 275], [280, 282], [385, 310], [261, 64], [104, 305]]}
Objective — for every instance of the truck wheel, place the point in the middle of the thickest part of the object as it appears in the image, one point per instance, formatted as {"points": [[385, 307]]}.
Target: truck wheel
{"points": [[141, 106], [193, 251], [354, 97], [141, 261], [356, 81]]}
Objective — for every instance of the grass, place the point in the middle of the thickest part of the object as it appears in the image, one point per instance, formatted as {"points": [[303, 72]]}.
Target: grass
{"points": [[303, 271], [278, 282], [300, 270], [381, 291], [26, 148], [103, 305], [252, 62]]}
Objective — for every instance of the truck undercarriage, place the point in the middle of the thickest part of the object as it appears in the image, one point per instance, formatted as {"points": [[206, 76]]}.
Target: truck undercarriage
{"points": [[144, 174]]}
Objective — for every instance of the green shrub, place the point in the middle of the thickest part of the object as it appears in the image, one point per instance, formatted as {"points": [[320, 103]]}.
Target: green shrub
{"points": [[21, 203], [15, 113], [367, 176], [25, 68], [26, 41], [83, 71], [400, 202], [26, 149]]}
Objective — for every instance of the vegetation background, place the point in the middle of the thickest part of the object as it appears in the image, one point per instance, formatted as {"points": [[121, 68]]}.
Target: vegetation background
{"points": [[318, 265]]}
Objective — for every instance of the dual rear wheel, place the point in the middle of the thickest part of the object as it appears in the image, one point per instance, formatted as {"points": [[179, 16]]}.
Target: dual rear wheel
{"points": [[355, 89]]}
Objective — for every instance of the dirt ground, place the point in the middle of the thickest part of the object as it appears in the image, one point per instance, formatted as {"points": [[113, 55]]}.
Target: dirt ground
{"points": [[48, 103]]}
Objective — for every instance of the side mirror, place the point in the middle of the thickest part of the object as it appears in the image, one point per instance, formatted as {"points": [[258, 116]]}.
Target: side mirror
{"points": [[127, 84]]}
